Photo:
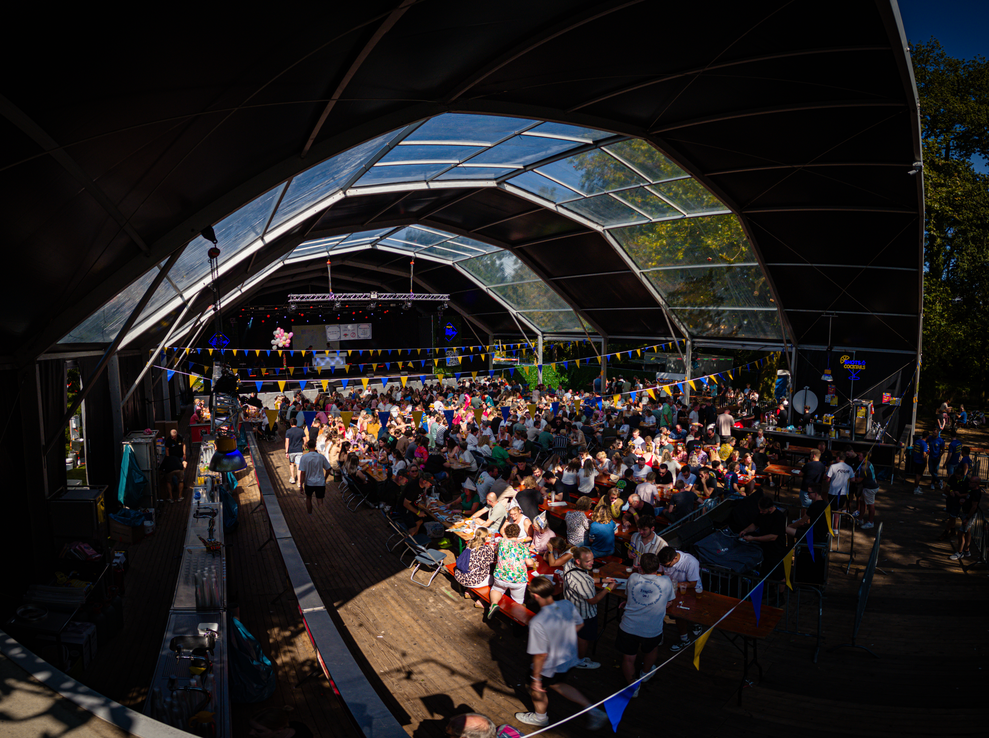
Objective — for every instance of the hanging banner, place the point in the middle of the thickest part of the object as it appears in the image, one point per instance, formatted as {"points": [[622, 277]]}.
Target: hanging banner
{"points": [[384, 416], [346, 416], [364, 381], [699, 646], [272, 417], [478, 413], [281, 384], [417, 418]]}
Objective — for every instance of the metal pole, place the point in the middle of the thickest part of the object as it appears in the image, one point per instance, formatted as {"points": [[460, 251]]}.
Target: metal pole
{"points": [[793, 380], [490, 352], [157, 351], [916, 384], [686, 372], [604, 365], [56, 432], [539, 357]]}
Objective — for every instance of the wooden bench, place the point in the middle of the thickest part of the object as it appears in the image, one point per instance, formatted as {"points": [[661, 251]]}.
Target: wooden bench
{"points": [[510, 608]]}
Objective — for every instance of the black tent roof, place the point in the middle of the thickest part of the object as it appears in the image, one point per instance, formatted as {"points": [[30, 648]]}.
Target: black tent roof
{"points": [[118, 149]]}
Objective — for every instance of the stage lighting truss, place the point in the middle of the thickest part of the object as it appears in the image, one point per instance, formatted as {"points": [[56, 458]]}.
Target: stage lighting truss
{"points": [[371, 300]]}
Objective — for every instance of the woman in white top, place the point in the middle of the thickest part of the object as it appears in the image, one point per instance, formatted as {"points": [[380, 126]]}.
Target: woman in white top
{"points": [[569, 478], [397, 463], [525, 525], [585, 484]]}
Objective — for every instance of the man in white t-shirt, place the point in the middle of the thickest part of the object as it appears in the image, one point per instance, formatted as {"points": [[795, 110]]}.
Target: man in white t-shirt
{"points": [[839, 476], [682, 568], [553, 647], [313, 471], [641, 627], [647, 489]]}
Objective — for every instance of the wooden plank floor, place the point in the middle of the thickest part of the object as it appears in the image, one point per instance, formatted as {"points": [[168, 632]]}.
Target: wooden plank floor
{"points": [[123, 667], [432, 655]]}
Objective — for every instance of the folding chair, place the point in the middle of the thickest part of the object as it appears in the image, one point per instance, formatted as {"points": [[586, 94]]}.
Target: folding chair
{"points": [[397, 530], [413, 545], [426, 559]]}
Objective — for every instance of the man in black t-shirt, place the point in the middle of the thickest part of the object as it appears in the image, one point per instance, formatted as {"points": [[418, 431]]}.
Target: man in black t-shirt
{"points": [[810, 477], [173, 465], [769, 531], [970, 506], [813, 514], [294, 446]]}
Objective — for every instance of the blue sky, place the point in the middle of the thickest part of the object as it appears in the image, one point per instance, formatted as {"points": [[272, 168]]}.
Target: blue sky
{"points": [[961, 26]]}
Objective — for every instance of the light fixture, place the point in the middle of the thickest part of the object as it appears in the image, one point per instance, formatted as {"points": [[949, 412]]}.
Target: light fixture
{"points": [[227, 458], [918, 166]]}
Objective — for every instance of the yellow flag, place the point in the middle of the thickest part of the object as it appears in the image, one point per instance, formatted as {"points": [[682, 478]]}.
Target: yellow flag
{"points": [[325, 383], [210, 351], [578, 362], [291, 370], [264, 372], [691, 383], [473, 374], [532, 409], [478, 412], [827, 516], [787, 563], [699, 646], [616, 399], [272, 417], [257, 352], [416, 417], [638, 352], [403, 379], [418, 352], [279, 353], [364, 381], [346, 368], [235, 351], [281, 384], [346, 416], [652, 393], [730, 376], [348, 352]]}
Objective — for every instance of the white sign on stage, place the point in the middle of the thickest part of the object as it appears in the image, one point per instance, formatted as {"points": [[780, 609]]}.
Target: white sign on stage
{"points": [[352, 332]]}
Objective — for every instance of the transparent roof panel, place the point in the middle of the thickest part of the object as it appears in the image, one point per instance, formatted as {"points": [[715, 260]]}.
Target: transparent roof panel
{"points": [[733, 286], [605, 210], [424, 153], [690, 197], [312, 185], [519, 151], [642, 198], [545, 188], [562, 130], [417, 236], [471, 172], [499, 267], [549, 321], [726, 323], [646, 160], [530, 296], [483, 130], [471, 244], [592, 173], [103, 325], [401, 173], [712, 239]]}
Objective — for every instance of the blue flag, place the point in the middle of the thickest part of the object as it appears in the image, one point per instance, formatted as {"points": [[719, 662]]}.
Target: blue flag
{"points": [[615, 706], [457, 375], [302, 384], [448, 414], [633, 395], [169, 374], [258, 385], [511, 371], [384, 417], [756, 598], [565, 364], [268, 352], [490, 372], [360, 367], [556, 407], [344, 382], [384, 381], [505, 412], [422, 379], [810, 541]]}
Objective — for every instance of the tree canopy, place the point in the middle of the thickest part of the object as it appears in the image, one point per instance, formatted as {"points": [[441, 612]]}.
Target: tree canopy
{"points": [[954, 111]]}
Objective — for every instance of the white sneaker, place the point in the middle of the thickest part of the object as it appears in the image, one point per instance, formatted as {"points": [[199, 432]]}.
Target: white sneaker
{"points": [[867, 526], [642, 675], [955, 556], [637, 688], [679, 646], [596, 719], [586, 663], [532, 718]]}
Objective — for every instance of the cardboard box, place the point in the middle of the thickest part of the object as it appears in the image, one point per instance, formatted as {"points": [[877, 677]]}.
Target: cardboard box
{"points": [[125, 533]]}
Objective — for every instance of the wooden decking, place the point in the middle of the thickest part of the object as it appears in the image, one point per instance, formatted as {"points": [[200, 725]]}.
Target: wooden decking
{"points": [[434, 654], [431, 655]]}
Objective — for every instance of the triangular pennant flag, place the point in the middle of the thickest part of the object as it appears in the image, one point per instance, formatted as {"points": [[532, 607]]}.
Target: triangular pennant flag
{"points": [[346, 416], [490, 372], [169, 373], [474, 374], [417, 418], [268, 352], [234, 351], [756, 597], [615, 706], [616, 399], [272, 417], [360, 367], [478, 414], [810, 542], [384, 381], [556, 407], [291, 370], [577, 361], [422, 379], [511, 371], [346, 368], [448, 414], [787, 563], [305, 370], [632, 393], [210, 351], [364, 381], [291, 353], [652, 393], [539, 367], [531, 407], [325, 383], [403, 379], [303, 383], [565, 364], [258, 385], [505, 412], [827, 516], [384, 416], [279, 353], [281, 384], [699, 646], [457, 375], [344, 383]]}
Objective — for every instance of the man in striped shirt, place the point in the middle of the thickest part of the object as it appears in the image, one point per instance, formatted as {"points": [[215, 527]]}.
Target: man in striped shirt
{"points": [[579, 589]]}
